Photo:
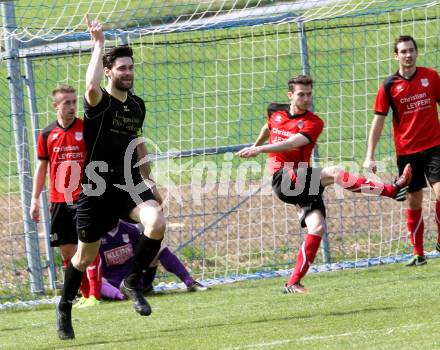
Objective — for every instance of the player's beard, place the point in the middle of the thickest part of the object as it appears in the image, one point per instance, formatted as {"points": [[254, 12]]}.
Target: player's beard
{"points": [[120, 85]]}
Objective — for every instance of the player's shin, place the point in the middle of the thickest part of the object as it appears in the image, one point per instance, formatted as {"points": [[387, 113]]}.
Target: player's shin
{"points": [[172, 264], [306, 256], [415, 230], [146, 251]]}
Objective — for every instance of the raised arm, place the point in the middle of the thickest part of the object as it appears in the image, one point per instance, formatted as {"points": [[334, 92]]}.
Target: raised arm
{"points": [[373, 139], [93, 93], [39, 179]]}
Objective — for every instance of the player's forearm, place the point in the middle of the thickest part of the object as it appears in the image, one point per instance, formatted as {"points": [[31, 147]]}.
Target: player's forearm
{"points": [[95, 69], [145, 170], [39, 179], [263, 137], [295, 141], [374, 136]]}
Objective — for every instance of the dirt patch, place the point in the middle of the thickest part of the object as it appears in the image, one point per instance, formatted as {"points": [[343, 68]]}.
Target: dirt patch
{"points": [[235, 233]]}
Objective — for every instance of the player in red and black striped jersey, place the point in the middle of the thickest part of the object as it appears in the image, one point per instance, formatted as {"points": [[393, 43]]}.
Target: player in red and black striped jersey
{"points": [[412, 94], [292, 131], [62, 150]]}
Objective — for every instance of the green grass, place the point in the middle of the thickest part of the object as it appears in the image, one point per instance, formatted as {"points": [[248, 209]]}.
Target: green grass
{"points": [[389, 307]]}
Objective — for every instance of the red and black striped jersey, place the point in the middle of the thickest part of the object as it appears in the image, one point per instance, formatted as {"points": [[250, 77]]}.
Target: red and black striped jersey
{"points": [[65, 150], [283, 125], [413, 102]]}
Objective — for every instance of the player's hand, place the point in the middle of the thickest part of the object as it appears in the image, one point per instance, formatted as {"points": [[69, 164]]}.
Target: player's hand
{"points": [[370, 165], [35, 211], [248, 152], [95, 29]]}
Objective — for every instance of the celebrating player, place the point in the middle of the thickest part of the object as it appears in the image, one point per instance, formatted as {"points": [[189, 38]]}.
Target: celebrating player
{"points": [[292, 131], [112, 126], [61, 148], [412, 93]]}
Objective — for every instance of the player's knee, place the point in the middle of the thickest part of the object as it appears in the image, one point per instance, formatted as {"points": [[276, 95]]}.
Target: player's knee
{"points": [[82, 262], [318, 229], [155, 227], [329, 174]]}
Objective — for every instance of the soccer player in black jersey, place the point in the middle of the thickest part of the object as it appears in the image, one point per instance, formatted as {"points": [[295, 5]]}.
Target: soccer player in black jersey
{"points": [[114, 187]]}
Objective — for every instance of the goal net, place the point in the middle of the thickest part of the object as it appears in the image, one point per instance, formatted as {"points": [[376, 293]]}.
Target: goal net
{"points": [[207, 71]]}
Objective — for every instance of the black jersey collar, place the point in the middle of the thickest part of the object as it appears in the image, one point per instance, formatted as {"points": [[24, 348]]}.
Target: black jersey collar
{"points": [[407, 79], [69, 126]]}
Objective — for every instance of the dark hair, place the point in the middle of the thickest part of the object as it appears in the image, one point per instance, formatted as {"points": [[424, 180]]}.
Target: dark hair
{"points": [[300, 79], [402, 39], [64, 89], [111, 55]]}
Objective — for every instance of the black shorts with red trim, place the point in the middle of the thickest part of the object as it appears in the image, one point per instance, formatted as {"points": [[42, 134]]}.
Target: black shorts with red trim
{"points": [[63, 224], [98, 214], [425, 165], [305, 192]]}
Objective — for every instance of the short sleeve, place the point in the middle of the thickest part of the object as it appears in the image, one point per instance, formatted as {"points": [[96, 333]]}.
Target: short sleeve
{"points": [[42, 152], [382, 103], [312, 129], [270, 110], [91, 112]]}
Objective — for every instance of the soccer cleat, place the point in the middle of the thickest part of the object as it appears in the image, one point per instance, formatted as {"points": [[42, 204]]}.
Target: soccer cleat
{"points": [[402, 183], [296, 288], [81, 301], [64, 324], [196, 287], [416, 260], [140, 305], [91, 301]]}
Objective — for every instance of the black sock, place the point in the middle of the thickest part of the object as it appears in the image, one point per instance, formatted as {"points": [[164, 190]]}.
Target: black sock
{"points": [[72, 281], [149, 275], [146, 251]]}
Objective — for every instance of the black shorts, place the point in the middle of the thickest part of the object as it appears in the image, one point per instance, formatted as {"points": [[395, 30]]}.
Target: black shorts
{"points": [[96, 215], [63, 224], [305, 192], [424, 164]]}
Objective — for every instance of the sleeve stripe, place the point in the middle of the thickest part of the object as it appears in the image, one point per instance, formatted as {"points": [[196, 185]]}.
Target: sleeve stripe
{"points": [[381, 113], [306, 135]]}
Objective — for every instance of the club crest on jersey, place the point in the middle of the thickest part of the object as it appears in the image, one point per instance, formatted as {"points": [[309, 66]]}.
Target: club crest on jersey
{"points": [[78, 135], [278, 118], [55, 137], [300, 124], [425, 82], [125, 238]]}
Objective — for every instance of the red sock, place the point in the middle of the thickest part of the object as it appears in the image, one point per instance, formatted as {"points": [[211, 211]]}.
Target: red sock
{"points": [[415, 230], [84, 288], [437, 219], [65, 263], [361, 184], [306, 255], [94, 275]]}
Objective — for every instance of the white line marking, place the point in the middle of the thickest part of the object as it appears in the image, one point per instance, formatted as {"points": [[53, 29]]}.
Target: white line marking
{"points": [[331, 336]]}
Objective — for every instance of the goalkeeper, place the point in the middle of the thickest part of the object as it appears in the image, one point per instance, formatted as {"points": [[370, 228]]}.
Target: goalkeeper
{"points": [[292, 131], [117, 254]]}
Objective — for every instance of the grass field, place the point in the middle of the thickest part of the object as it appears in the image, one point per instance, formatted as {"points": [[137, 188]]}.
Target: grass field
{"points": [[211, 88], [389, 307]]}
